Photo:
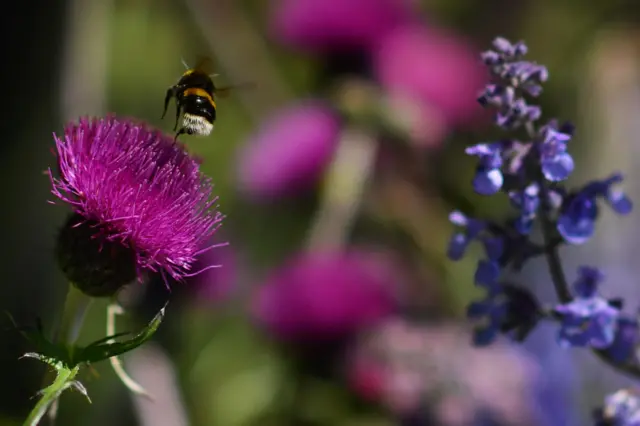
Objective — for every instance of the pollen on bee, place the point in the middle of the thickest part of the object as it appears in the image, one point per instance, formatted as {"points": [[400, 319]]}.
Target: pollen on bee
{"points": [[197, 125]]}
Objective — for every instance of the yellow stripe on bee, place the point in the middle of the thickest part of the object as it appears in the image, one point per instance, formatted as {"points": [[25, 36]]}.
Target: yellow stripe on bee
{"points": [[199, 92]]}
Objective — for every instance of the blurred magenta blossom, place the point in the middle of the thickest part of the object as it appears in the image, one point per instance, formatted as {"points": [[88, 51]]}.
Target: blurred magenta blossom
{"points": [[336, 25], [436, 68], [290, 151], [215, 284], [323, 296], [404, 366]]}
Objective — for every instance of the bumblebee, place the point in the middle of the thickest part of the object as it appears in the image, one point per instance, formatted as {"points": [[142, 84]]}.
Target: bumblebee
{"points": [[195, 99], [195, 95]]}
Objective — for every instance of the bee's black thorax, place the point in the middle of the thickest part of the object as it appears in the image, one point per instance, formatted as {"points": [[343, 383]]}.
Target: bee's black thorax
{"points": [[199, 106], [195, 80]]}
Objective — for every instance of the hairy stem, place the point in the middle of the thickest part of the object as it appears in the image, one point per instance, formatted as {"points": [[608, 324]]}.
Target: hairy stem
{"points": [[75, 308], [50, 394]]}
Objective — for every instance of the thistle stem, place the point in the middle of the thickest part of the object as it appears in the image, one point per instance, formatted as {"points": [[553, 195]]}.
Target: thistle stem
{"points": [[76, 305], [344, 188], [50, 394]]}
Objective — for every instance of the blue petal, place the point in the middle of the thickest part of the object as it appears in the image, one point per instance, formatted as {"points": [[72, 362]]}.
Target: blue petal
{"points": [[566, 339], [487, 273], [484, 336], [498, 313], [558, 167], [524, 225], [458, 218], [626, 338], [494, 247], [602, 330], [479, 150], [576, 231], [475, 227], [619, 202], [488, 181], [479, 309], [586, 285], [457, 246]]}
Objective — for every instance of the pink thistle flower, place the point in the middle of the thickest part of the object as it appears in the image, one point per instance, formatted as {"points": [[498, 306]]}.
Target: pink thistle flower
{"points": [[140, 204], [434, 68], [325, 296], [290, 151], [323, 25]]}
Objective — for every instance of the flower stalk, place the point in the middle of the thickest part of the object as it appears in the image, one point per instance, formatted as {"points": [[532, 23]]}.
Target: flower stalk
{"points": [[50, 395]]}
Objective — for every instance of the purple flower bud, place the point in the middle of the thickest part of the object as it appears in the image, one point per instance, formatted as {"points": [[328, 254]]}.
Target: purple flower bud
{"points": [[326, 295], [514, 115], [431, 66], [140, 205], [528, 202], [508, 50], [336, 25], [290, 151], [586, 285], [461, 240]]}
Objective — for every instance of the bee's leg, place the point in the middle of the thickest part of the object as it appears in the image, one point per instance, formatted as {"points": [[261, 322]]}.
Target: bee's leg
{"points": [[167, 98], [180, 132], [177, 116]]}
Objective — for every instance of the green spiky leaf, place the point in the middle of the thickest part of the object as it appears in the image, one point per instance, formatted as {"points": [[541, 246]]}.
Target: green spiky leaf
{"points": [[102, 350]]}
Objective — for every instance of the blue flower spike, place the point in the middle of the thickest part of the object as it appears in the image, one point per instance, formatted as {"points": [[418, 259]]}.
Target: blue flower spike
{"points": [[532, 168], [588, 320]]}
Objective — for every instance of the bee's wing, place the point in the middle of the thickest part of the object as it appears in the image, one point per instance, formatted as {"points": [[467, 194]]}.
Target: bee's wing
{"points": [[224, 92], [203, 63]]}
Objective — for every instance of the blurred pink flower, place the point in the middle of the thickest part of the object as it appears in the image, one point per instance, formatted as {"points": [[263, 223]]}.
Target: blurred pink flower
{"points": [[216, 283], [433, 67], [416, 364], [326, 295], [321, 25], [290, 151]]}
